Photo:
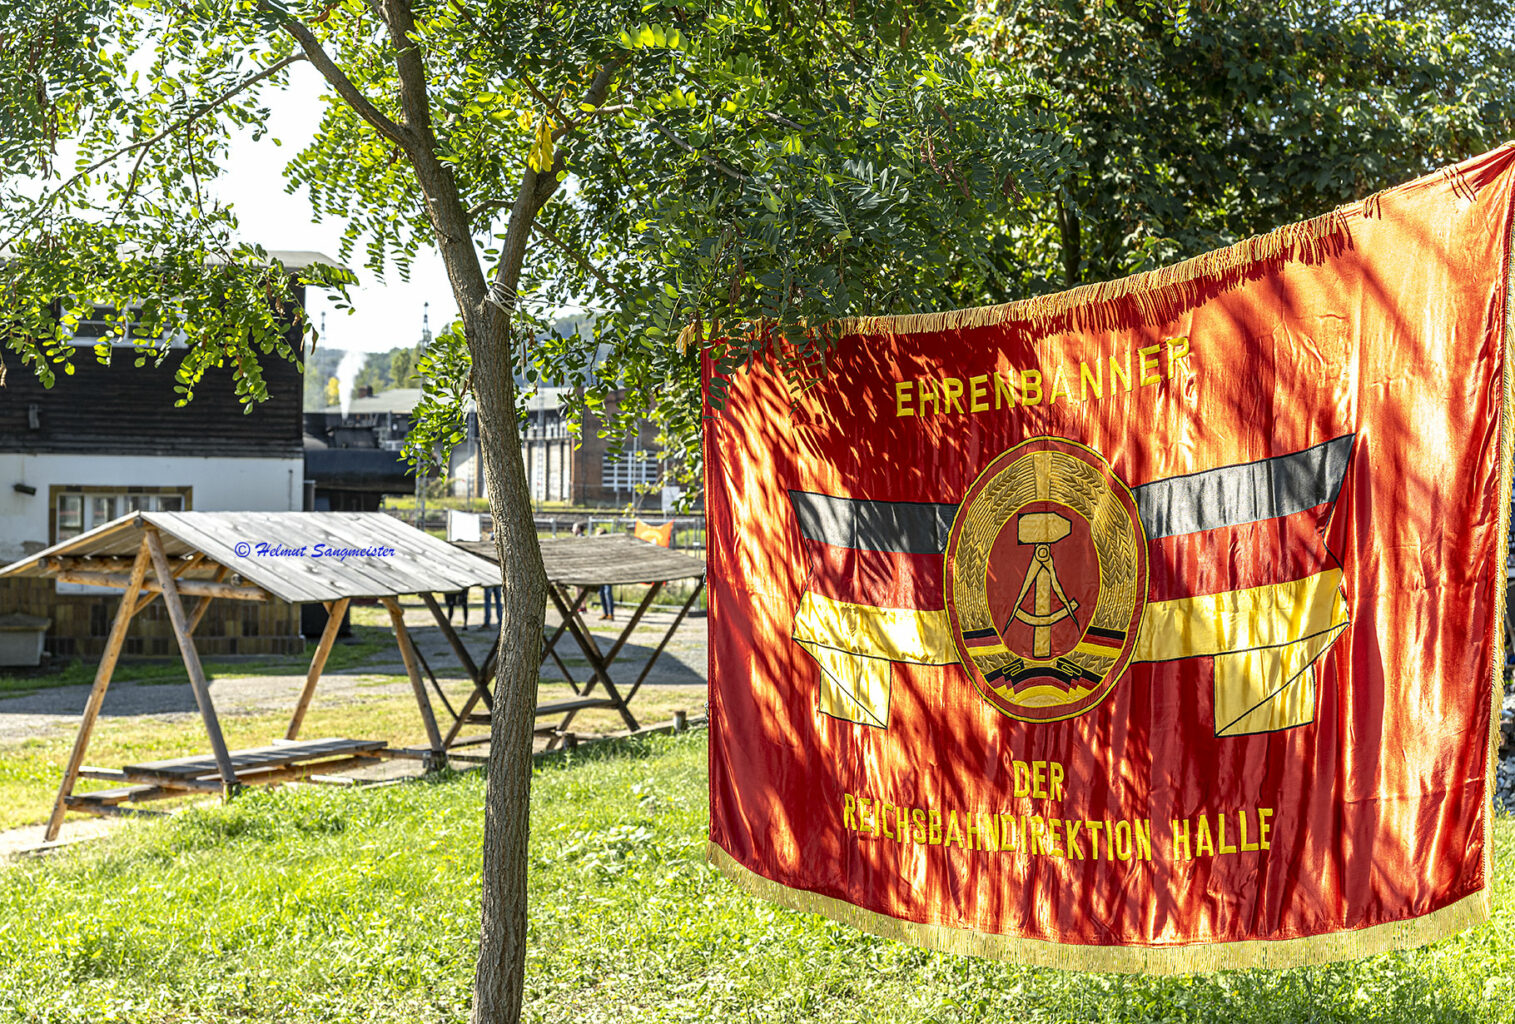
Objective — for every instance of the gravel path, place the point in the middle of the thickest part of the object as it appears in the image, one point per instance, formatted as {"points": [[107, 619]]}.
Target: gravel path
{"points": [[57, 709]]}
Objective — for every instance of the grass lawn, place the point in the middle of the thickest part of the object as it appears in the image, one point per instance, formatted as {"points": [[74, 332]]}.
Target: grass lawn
{"points": [[315, 904], [31, 770]]}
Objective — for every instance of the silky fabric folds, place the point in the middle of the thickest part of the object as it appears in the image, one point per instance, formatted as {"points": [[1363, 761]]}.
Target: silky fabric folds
{"points": [[1152, 626]]}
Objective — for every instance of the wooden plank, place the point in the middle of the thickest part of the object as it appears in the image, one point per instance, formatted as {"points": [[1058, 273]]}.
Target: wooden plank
{"points": [[677, 619], [591, 649], [194, 588], [420, 562], [636, 617], [480, 692], [275, 755], [97, 693], [437, 560], [114, 563], [118, 795], [592, 561], [293, 772], [117, 537], [112, 810], [453, 641], [219, 534], [191, 658], [334, 615], [179, 572], [576, 705], [413, 670]]}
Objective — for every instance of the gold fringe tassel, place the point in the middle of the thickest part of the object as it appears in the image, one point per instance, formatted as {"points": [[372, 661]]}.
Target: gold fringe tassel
{"points": [[1156, 296], [1273, 954], [1152, 297], [1499, 568]]}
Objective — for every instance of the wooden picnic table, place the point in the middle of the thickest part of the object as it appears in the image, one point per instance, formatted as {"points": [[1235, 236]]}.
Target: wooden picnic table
{"points": [[576, 568]]}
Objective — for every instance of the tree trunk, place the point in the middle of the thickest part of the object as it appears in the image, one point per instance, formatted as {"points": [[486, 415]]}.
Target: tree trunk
{"points": [[487, 311], [499, 979], [1068, 228]]}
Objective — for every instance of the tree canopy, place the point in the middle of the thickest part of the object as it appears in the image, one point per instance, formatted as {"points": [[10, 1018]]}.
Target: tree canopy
{"points": [[1195, 125]]}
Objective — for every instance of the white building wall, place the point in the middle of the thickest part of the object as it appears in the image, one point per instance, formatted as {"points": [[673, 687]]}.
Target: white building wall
{"points": [[219, 485]]}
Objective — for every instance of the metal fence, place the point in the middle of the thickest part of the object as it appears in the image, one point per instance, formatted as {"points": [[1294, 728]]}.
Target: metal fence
{"points": [[688, 531]]}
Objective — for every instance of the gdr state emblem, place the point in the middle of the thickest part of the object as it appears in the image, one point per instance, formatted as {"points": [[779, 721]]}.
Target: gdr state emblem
{"points": [[1046, 579]]}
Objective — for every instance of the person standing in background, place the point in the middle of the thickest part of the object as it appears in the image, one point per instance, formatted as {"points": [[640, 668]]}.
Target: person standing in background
{"points": [[492, 596], [606, 596], [454, 599]]}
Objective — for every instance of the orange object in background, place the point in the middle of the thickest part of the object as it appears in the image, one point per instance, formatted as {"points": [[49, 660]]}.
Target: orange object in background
{"points": [[662, 536], [1154, 626]]}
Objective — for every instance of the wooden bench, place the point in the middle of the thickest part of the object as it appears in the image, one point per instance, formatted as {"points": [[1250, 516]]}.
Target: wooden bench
{"points": [[282, 761]]}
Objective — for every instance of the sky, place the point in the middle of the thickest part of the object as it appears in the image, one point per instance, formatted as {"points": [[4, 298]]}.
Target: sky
{"points": [[386, 313]]}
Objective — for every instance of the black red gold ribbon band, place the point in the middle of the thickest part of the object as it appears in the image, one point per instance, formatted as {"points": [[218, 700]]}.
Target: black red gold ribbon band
{"points": [[1227, 496], [1264, 635]]}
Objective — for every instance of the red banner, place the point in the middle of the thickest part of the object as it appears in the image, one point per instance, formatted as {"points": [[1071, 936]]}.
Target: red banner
{"points": [[1152, 626]]}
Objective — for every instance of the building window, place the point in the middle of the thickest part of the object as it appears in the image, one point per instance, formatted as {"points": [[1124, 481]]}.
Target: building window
{"points": [[78, 510], [104, 324], [629, 470]]}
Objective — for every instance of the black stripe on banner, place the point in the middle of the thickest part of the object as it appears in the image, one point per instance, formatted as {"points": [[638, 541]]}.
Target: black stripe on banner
{"points": [[979, 634], [1245, 493], [1114, 635], [907, 527], [1208, 500]]}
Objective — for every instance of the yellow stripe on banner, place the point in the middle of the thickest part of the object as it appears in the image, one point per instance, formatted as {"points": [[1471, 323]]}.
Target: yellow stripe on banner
{"points": [[1265, 641], [1098, 650], [1241, 620], [989, 650], [855, 645], [1268, 689], [853, 688], [894, 634]]}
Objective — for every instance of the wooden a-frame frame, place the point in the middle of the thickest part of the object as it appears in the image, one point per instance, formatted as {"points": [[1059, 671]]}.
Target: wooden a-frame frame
{"points": [[151, 577]]}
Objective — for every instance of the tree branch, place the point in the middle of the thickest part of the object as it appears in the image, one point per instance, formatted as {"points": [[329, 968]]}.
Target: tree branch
{"points": [[577, 257], [414, 100], [147, 143], [563, 119], [536, 189], [349, 92], [781, 119], [704, 158]]}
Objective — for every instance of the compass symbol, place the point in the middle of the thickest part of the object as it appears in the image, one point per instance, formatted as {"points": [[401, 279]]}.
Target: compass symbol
{"points": [[1042, 529], [1046, 579]]}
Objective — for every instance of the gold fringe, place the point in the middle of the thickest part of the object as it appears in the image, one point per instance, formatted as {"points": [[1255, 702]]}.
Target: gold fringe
{"points": [[1156, 296], [1153, 297], [1268, 954], [1506, 451]]}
